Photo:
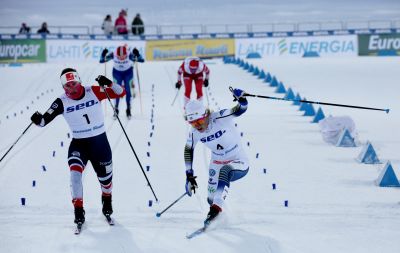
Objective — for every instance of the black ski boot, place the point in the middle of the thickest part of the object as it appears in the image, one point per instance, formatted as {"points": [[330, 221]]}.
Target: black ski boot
{"points": [[214, 211], [116, 113], [128, 113], [79, 215], [107, 206]]}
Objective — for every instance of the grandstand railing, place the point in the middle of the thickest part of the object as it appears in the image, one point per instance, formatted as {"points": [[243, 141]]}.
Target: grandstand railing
{"points": [[221, 28]]}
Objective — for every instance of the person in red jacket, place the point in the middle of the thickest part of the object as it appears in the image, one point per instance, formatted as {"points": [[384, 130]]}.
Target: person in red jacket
{"points": [[120, 23], [193, 69]]}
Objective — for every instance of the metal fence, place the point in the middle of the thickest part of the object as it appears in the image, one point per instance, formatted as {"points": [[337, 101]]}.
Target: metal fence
{"points": [[221, 28]]}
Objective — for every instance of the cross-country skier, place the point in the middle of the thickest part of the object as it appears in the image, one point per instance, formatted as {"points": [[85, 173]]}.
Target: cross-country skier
{"points": [[82, 110], [123, 71], [228, 162], [193, 69]]}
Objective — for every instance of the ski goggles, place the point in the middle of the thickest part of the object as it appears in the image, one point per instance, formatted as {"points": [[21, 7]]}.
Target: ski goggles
{"points": [[198, 122]]}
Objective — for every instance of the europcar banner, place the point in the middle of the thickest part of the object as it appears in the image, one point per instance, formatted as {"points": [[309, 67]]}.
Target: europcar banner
{"points": [[23, 50], [345, 45], [86, 50], [379, 44], [159, 50]]}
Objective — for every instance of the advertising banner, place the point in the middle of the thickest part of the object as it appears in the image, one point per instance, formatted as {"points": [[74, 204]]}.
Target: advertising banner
{"points": [[24, 50], [382, 44], [160, 50], [86, 50], [345, 45]]}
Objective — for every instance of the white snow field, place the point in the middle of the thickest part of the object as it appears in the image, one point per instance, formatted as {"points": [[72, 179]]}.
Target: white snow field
{"points": [[334, 205]]}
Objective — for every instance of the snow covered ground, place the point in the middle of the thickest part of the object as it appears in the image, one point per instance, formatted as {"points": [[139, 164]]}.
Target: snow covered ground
{"points": [[334, 205]]}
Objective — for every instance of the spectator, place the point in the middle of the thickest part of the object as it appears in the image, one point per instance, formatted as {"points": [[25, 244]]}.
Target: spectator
{"points": [[24, 29], [120, 23], [137, 25], [107, 25], [43, 29]]}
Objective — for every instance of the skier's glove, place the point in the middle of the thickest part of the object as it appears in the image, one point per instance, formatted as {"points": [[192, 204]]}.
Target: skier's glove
{"points": [[37, 118], [135, 52], [191, 183], [104, 53], [178, 85], [104, 81], [205, 83], [238, 95]]}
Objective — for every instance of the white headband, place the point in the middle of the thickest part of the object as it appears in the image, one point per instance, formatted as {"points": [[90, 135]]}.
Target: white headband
{"points": [[70, 76]]}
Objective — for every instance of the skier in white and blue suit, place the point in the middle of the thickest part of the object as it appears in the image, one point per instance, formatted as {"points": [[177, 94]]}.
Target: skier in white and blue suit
{"points": [[123, 71], [228, 162]]}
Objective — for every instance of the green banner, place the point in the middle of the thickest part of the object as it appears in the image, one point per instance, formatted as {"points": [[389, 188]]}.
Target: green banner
{"points": [[379, 44], [23, 50]]}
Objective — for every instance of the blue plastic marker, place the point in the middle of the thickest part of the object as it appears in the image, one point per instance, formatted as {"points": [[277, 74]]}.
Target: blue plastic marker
{"points": [[273, 186], [33, 183], [150, 203], [23, 201], [286, 203], [44, 168]]}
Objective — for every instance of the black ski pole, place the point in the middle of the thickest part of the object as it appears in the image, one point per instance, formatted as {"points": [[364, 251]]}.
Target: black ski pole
{"points": [[168, 207], [130, 144], [315, 102], [26, 129]]}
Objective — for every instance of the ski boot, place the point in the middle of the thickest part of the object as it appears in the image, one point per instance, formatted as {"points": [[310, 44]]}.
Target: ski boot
{"points": [[128, 113], [115, 116], [107, 206], [79, 215], [214, 211]]}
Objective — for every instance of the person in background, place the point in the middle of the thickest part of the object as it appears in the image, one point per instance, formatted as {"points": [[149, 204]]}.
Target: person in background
{"points": [[82, 110], [217, 131], [120, 23], [193, 69], [137, 25], [24, 29], [43, 29], [107, 25], [123, 72]]}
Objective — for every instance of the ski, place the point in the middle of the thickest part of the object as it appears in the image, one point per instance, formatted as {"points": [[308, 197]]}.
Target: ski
{"points": [[197, 232], [78, 228], [110, 220]]}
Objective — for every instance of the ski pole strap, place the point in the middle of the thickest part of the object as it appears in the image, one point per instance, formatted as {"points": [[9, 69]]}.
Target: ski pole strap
{"points": [[319, 103]]}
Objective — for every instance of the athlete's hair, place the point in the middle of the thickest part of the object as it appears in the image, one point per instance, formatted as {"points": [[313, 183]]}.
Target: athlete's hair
{"points": [[66, 70]]}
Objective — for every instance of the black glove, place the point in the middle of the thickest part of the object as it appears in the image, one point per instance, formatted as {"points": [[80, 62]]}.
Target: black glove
{"points": [[37, 118], [191, 184], [205, 83], [135, 52], [178, 85], [104, 53], [238, 94], [104, 81]]}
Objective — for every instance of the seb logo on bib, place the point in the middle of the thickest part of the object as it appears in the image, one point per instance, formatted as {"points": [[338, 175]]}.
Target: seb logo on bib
{"points": [[81, 106], [213, 136]]}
